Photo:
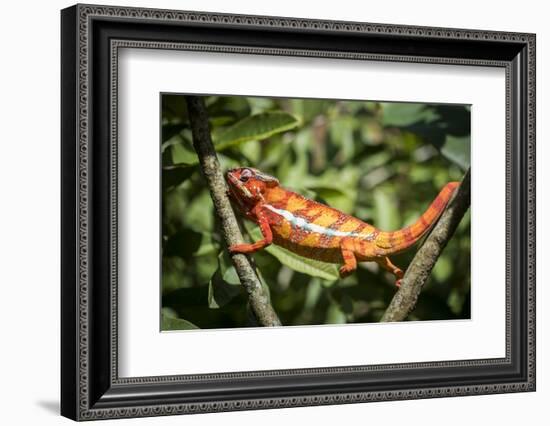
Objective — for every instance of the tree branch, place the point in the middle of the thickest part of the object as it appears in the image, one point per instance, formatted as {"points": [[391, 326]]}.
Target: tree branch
{"points": [[202, 142], [419, 270]]}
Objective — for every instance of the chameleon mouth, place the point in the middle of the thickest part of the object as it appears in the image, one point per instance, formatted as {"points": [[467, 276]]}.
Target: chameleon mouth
{"points": [[232, 184], [230, 177]]}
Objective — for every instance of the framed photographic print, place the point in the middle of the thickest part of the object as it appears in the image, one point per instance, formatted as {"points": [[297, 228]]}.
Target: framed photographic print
{"points": [[264, 212]]}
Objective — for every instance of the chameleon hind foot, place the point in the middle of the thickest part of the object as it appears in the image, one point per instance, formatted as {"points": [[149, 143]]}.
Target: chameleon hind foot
{"points": [[386, 264], [350, 263]]}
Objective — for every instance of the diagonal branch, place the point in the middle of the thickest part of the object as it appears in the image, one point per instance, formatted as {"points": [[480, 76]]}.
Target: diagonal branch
{"points": [[421, 266], [202, 142]]}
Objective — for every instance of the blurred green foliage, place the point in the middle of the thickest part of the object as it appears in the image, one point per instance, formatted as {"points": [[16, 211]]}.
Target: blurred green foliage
{"points": [[381, 162]]}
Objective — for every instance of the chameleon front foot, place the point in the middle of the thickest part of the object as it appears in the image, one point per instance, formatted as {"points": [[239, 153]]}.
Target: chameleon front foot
{"points": [[258, 245], [239, 248], [245, 248], [345, 271]]}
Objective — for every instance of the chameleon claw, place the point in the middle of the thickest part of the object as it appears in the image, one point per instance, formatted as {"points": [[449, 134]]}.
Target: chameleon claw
{"points": [[235, 249], [398, 283], [344, 271], [247, 248]]}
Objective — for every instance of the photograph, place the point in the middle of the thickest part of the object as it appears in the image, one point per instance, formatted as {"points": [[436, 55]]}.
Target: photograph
{"points": [[266, 209], [334, 198]]}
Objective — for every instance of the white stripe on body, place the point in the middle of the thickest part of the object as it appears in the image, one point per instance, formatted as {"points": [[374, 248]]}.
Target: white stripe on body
{"points": [[301, 223]]}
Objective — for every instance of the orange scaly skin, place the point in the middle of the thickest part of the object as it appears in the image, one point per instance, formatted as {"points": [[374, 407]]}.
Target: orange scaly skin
{"points": [[317, 231]]}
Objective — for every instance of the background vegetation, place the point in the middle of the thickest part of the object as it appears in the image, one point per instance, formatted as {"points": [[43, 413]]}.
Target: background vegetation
{"points": [[381, 162]]}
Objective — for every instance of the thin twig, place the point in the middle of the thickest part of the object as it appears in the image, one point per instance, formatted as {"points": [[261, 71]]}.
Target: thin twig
{"points": [[202, 142], [419, 270]]}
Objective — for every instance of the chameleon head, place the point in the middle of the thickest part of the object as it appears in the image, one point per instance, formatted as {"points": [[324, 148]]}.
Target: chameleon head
{"points": [[247, 185]]}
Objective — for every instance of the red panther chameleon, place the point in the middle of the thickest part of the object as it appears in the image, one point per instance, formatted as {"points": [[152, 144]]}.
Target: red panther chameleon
{"points": [[317, 231]]}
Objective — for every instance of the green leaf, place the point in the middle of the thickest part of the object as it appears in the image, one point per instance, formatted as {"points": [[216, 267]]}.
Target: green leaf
{"points": [[228, 272], [346, 304], [200, 212], [313, 293], [182, 154], [204, 269], [455, 301], [337, 188], [341, 134], [234, 106], [404, 114], [259, 105], [372, 132], [251, 151], [175, 175], [172, 129], [308, 109], [420, 173], [335, 197], [293, 167], [443, 269], [385, 206], [457, 150], [220, 293], [172, 323], [314, 268], [183, 243], [335, 315], [174, 108], [206, 248], [224, 285], [263, 282], [256, 127], [220, 121]]}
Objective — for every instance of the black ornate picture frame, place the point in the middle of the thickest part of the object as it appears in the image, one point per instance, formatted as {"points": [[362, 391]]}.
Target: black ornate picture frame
{"points": [[91, 37]]}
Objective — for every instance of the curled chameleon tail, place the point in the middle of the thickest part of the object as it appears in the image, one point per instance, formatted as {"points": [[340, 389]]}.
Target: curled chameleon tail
{"points": [[387, 243], [320, 232], [402, 239]]}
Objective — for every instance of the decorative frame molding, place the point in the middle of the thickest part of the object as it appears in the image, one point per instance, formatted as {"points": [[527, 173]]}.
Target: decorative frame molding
{"points": [[91, 37]]}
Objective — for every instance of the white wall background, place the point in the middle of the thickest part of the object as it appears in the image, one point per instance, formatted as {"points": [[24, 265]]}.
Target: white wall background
{"points": [[29, 211]]}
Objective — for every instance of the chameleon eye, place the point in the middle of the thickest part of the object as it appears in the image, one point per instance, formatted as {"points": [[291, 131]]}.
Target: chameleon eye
{"points": [[245, 175]]}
